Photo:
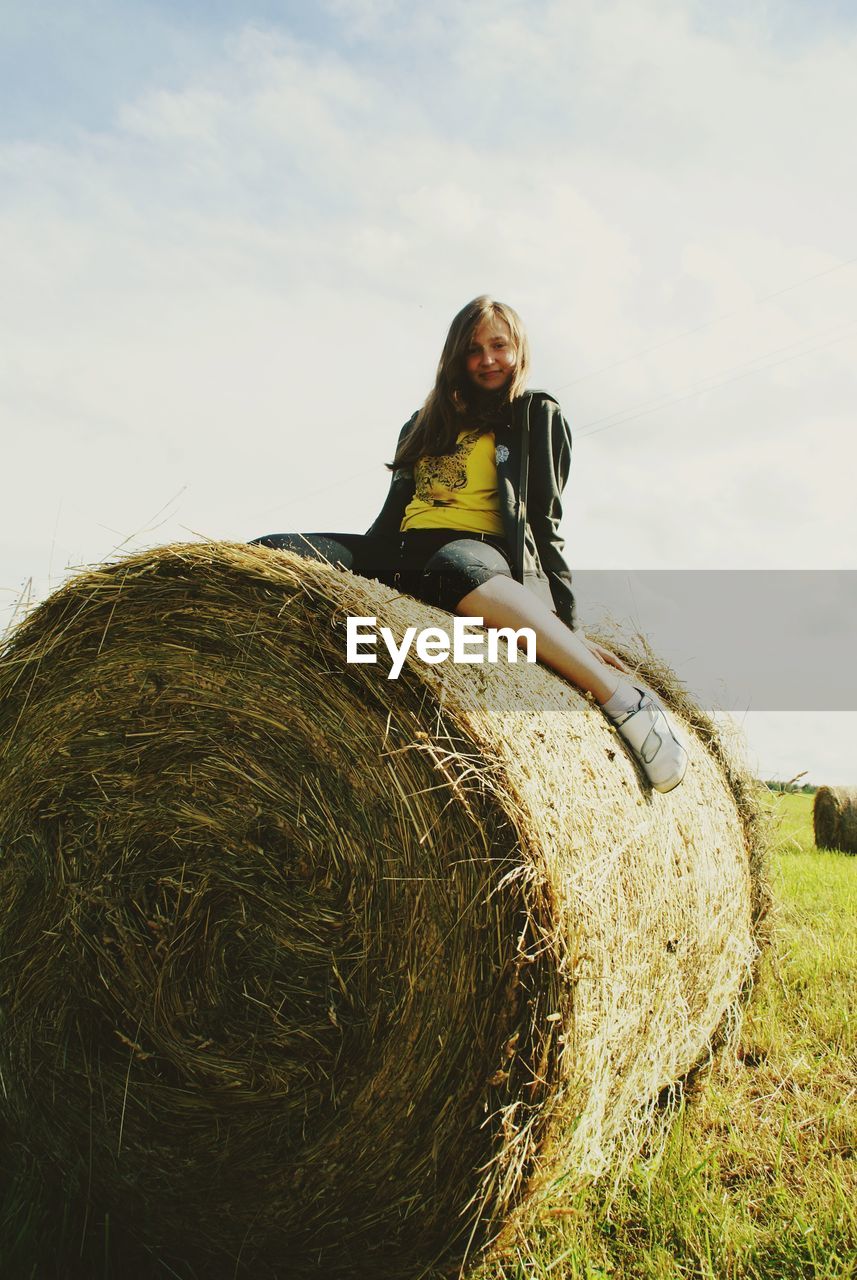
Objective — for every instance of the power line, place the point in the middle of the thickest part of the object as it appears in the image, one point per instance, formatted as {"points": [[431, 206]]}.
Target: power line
{"points": [[707, 324], [334, 484], [710, 386], [718, 376]]}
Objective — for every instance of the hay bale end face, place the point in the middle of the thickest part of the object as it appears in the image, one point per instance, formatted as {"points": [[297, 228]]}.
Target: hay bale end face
{"points": [[300, 962], [834, 815]]}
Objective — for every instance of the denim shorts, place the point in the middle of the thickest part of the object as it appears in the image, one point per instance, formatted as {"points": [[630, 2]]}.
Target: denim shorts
{"points": [[439, 566]]}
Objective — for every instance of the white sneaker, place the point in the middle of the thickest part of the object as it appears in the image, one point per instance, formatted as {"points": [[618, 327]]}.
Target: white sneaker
{"points": [[653, 743]]}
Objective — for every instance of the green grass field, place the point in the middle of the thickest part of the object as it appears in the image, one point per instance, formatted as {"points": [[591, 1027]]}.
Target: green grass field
{"points": [[756, 1177]]}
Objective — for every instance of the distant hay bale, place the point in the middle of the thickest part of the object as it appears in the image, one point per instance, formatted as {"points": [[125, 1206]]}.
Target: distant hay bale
{"points": [[834, 816], [305, 971]]}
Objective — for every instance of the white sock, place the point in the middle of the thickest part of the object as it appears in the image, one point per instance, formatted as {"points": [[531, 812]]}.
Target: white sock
{"points": [[624, 700]]}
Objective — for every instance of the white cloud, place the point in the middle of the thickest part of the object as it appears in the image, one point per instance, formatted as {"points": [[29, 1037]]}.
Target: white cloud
{"points": [[237, 288]]}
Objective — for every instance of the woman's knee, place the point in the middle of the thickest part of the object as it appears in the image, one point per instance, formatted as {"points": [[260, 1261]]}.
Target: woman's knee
{"points": [[461, 566], [469, 555]]}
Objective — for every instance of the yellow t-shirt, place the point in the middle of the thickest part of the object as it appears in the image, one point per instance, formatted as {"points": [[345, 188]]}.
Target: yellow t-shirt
{"points": [[457, 490]]}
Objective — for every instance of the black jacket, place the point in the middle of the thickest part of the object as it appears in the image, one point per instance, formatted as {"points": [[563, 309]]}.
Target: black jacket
{"points": [[533, 449]]}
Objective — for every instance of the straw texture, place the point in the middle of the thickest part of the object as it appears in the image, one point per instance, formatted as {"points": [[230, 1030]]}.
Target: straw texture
{"points": [[834, 815], [306, 971]]}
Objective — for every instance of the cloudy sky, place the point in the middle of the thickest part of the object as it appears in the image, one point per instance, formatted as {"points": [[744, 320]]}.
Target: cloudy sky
{"points": [[233, 235]]}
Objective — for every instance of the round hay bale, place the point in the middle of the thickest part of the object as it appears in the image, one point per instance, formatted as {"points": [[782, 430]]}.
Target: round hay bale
{"points": [[301, 963], [834, 816]]}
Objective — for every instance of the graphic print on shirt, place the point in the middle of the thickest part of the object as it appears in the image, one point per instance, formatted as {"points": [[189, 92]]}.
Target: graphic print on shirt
{"points": [[434, 476]]}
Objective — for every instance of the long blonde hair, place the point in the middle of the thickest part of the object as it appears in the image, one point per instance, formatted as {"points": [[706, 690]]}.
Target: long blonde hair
{"points": [[453, 396]]}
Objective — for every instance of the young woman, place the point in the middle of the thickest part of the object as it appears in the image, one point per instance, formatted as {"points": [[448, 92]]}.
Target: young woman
{"points": [[471, 522]]}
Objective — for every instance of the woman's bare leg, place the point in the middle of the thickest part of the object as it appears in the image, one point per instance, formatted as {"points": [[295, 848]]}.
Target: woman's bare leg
{"points": [[641, 720], [503, 602]]}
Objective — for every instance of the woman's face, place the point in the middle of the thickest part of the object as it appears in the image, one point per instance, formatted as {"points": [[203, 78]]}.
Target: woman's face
{"points": [[491, 356]]}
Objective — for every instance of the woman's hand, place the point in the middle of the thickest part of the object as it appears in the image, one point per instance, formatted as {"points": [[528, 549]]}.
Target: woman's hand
{"points": [[606, 655]]}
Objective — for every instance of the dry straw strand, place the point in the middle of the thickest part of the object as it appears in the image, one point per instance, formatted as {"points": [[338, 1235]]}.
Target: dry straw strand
{"points": [[299, 962]]}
